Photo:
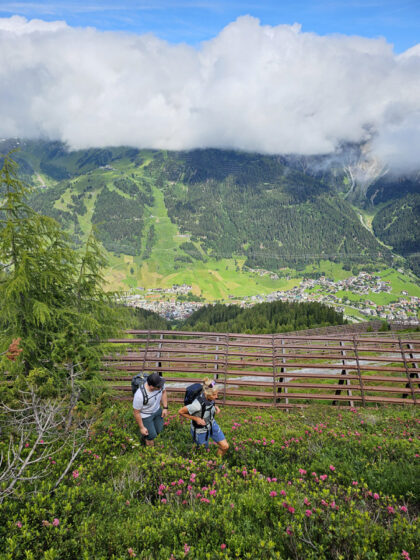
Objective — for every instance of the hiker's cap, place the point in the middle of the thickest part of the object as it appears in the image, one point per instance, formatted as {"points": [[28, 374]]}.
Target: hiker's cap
{"points": [[156, 380]]}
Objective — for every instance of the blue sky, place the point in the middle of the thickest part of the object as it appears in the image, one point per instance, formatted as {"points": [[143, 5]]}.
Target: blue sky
{"points": [[193, 21]]}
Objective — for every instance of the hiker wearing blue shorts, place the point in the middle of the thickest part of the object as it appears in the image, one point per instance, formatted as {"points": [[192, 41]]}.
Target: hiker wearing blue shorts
{"points": [[201, 412]]}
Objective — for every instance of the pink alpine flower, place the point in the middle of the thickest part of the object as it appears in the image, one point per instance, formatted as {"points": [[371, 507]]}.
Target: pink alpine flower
{"points": [[332, 468], [306, 502], [283, 492], [302, 471], [131, 552], [273, 494], [405, 555], [186, 549], [289, 531], [376, 496], [323, 477], [291, 509], [19, 524], [75, 474], [308, 513], [355, 483], [56, 522], [403, 509], [391, 510], [223, 546]]}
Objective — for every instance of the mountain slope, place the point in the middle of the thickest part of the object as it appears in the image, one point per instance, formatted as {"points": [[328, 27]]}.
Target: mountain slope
{"points": [[164, 211]]}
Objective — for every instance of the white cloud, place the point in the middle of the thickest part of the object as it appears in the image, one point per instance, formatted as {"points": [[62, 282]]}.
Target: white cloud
{"points": [[253, 87]]}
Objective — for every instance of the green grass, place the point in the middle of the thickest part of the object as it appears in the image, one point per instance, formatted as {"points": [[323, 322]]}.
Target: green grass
{"points": [[355, 472], [400, 282], [212, 279], [329, 269]]}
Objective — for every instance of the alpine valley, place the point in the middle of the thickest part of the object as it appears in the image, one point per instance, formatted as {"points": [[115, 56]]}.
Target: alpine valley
{"points": [[228, 224]]}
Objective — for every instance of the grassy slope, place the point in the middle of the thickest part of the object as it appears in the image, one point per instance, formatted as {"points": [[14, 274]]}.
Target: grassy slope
{"points": [[316, 484], [212, 279]]}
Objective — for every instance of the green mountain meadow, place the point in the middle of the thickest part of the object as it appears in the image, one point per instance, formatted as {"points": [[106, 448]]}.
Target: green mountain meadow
{"points": [[214, 219]]}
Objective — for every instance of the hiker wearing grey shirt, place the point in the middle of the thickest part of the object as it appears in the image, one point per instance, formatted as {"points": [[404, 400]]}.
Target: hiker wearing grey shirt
{"points": [[201, 412], [146, 407]]}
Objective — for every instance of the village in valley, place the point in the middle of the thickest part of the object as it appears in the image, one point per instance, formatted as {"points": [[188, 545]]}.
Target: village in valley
{"points": [[177, 302]]}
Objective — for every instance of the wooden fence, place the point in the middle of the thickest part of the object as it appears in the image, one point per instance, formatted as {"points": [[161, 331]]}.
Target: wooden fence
{"points": [[279, 370]]}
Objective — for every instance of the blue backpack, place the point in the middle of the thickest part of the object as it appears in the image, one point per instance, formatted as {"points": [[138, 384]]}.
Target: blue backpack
{"points": [[192, 392], [195, 391]]}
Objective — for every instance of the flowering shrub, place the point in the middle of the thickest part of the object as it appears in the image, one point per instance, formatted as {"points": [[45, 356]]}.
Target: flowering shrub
{"points": [[317, 484]]}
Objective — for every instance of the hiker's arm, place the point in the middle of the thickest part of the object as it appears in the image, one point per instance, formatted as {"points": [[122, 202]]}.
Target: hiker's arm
{"points": [[137, 416], [185, 414], [164, 404], [217, 409]]}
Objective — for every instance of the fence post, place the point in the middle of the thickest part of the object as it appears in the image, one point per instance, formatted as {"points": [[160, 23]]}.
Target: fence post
{"points": [[216, 365], [159, 363], [282, 370], [146, 348], [356, 354], [274, 368], [409, 376], [226, 366], [342, 380]]}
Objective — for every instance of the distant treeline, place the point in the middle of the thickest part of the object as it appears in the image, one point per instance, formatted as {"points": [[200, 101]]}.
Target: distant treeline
{"points": [[143, 319], [263, 318]]}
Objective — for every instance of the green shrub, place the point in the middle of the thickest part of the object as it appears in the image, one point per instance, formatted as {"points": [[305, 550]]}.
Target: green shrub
{"points": [[316, 485]]}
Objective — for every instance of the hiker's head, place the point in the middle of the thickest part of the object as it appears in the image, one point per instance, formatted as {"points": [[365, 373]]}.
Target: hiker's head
{"points": [[210, 389], [155, 381]]}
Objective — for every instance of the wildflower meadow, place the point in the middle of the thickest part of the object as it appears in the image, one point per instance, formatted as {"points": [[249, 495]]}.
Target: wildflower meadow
{"points": [[316, 483]]}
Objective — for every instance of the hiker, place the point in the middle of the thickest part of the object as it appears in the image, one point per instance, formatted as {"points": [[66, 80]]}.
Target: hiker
{"points": [[146, 407], [201, 412]]}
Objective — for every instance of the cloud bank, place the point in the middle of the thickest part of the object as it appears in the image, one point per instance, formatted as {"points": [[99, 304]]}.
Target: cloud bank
{"points": [[252, 87]]}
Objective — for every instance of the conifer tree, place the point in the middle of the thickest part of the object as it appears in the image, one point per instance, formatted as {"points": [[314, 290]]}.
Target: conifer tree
{"points": [[51, 297]]}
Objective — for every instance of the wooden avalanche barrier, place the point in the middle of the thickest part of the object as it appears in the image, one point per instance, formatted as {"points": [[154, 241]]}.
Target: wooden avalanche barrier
{"points": [[279, 370]]}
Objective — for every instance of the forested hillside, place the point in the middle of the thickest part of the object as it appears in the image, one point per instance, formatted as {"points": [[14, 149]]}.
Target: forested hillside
{"points": [[398, 225], [254, 205], [262, 318], [270, 212]]}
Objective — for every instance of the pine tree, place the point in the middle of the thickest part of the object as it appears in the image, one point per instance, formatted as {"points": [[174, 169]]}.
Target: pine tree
{"points": [[51, 296]]}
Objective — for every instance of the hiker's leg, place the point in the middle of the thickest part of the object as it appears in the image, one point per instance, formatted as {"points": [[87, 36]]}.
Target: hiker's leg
{"points": [[149, 424], [199, 439], [158, 421], [223, 446], [219, 437]]}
